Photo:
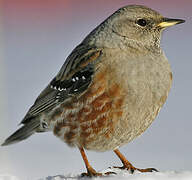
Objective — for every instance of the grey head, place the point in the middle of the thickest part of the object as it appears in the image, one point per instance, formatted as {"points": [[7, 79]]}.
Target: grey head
{"points": [[133, 24]]}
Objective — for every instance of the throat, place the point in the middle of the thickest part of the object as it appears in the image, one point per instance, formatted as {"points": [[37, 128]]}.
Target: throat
{"points": [[152, 45]]}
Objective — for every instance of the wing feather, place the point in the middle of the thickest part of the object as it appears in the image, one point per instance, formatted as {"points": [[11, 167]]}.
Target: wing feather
{"points": [[73, 78]]}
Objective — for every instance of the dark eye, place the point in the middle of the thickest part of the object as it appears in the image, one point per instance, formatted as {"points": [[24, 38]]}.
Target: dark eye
{"points": [[142, 22]]}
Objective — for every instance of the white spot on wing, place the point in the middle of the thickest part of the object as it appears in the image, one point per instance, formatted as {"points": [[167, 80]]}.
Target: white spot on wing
{"points": [[73, 79]]}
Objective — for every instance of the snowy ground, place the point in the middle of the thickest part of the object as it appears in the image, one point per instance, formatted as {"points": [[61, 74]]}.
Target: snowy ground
{"points": [[121, 174]]}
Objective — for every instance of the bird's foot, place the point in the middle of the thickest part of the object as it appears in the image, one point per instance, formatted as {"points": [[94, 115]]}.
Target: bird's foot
{"points": [[92, 173], [131, 168], [147, 170]]}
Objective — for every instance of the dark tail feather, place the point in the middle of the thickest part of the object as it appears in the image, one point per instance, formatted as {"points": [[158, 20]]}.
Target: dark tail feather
{"points": [[24, 132]]}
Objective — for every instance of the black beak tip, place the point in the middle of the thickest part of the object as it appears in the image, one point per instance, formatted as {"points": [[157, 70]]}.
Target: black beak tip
{"points": [[180, 21], [176, 21]]}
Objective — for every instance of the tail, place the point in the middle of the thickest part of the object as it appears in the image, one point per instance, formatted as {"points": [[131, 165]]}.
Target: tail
{"points": [[24, 132]]}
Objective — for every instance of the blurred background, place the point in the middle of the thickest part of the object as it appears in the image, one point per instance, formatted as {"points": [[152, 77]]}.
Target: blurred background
{"points": [[36, 36]]}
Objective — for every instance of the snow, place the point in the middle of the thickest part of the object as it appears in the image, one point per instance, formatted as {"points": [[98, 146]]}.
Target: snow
{"points": [[121, 174], [124, 174], [8, 177]]}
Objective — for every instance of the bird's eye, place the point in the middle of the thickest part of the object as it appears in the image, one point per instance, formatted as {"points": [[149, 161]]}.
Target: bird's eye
{"points": [[142, 22]]}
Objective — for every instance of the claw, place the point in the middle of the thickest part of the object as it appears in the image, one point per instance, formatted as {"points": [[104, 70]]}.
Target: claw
{"points": [[91, 175], [132, 169], [108, 173], [148, 170], [95, 174], [127, 165]]}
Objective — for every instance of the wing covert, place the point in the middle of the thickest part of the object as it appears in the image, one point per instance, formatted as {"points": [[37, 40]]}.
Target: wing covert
{"points": [[74, 77]]}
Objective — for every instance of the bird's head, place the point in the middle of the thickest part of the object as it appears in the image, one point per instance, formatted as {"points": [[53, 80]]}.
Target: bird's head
{"points": [[141, 24]]}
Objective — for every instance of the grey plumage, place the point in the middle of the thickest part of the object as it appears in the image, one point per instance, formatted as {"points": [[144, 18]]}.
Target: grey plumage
{"points": [[118, 43], [24, 132], [59, 90], [110, 88]]}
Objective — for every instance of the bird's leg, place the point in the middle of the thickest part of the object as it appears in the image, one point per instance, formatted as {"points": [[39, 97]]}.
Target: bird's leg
{"points": [[90, 171], [127, 165]]}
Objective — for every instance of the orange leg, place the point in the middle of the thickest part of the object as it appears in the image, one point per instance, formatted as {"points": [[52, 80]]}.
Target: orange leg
{"points": [[90, 171], [127, 165]]}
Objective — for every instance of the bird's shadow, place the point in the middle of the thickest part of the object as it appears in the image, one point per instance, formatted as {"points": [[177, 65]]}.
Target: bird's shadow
{"points": [[114, 173], [68, 177]]}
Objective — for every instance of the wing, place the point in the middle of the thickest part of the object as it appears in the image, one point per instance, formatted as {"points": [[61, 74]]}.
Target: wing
{"points": [[73, 79]]}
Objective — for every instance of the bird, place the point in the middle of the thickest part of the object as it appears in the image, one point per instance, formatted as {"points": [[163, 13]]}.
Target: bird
{"points": [[109, 89]]}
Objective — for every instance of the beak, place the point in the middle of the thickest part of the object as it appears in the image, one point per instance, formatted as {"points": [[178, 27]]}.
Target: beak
{"points": [[166, 22]]}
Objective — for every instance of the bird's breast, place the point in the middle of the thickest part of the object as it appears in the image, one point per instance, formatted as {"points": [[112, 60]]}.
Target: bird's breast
{"points": [[121, 102]]}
